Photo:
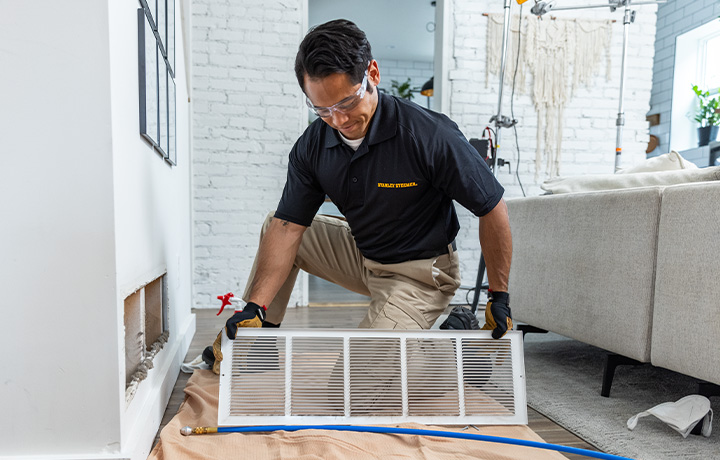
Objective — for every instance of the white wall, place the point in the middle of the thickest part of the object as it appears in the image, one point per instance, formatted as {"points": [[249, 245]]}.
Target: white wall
{"points": [[418, 72], [153, 222], [248, 112], [60, 322], [88, 212]]}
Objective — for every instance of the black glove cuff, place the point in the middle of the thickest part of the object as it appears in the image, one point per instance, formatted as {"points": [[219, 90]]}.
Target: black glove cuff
{"points": [[500, 297], [255, 308], [208, 356], [462, 319]]}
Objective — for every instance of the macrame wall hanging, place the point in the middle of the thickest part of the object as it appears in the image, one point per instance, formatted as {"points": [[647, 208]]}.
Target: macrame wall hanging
{"points": [[561, 55]]}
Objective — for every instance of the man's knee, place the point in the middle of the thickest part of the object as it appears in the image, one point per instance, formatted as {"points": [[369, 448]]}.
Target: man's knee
{"points": [[396, 314]]}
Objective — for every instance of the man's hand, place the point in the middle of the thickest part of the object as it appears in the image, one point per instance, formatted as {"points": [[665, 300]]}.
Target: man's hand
{"points": [[251, 316], [497, 314], [460, 318]]}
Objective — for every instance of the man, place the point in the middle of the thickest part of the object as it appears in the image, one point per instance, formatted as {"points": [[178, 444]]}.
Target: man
{"points": [[393, 170]]}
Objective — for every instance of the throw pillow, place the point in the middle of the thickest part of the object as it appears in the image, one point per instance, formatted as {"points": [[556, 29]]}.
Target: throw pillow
{"points": [[665, 162], [620, 181]]}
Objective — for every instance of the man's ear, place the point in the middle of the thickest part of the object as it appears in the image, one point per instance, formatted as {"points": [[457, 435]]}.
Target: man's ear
{"points": [[374, 73]]}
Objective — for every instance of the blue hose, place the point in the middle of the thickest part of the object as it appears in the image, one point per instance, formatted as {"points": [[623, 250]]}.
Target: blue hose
{"points": [[444, 434]]}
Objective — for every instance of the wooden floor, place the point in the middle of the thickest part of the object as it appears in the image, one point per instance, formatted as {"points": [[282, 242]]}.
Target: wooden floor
{"points": [[325, 293], [208, 325]]}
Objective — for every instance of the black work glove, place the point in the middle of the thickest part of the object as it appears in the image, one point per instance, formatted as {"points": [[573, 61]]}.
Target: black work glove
{"points": [[497, 314], [460, 318], [252, 315]]}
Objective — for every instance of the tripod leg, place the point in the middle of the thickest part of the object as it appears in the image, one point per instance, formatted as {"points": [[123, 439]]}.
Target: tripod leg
{"points": [[478, 284]]}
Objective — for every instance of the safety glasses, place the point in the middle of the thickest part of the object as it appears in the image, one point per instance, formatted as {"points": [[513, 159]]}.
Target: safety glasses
{"points": [[344, 106]]}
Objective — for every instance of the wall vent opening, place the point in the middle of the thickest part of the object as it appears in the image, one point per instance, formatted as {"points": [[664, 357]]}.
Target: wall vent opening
{"points": [[146, 331]]}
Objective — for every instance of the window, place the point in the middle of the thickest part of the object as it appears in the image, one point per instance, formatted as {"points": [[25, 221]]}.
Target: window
{"points": [[156, 63], [696, 63], [710, 72]]}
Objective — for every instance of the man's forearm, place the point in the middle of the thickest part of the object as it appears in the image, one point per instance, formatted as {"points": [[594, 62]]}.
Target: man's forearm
{"points": [[276, 256], [496, 243]]}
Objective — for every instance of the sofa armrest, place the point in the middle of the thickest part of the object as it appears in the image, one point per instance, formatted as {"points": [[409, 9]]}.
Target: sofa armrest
{"points": [[686, 320], [584, 265]]}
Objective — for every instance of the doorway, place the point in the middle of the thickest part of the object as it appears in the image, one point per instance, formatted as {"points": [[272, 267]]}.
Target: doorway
{"points": [[404, 39]]}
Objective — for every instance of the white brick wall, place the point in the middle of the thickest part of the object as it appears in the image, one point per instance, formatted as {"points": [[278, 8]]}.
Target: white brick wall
{"points": [[417, 71], [248, 113], [589, 122], [673, 18]]}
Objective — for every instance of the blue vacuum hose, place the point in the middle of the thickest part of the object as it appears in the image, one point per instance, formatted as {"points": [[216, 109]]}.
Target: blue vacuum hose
{"points": [[391, 430]]}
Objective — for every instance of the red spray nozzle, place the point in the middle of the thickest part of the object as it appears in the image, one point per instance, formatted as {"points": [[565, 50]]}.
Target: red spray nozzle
{"points": [[225, 301]]}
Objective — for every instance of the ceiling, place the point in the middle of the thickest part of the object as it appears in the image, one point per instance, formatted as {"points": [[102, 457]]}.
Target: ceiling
{"points": [[396, 29]]}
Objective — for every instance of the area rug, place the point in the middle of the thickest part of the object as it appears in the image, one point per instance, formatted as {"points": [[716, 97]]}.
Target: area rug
{"points": [[564, 378]]}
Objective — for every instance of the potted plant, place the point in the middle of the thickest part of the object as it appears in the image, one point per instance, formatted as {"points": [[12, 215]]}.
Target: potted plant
{"points": [[403, 90], [708, 115]]}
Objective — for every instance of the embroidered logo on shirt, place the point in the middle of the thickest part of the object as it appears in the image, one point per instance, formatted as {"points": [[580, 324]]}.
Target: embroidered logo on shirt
{"points": [[397, 184]]}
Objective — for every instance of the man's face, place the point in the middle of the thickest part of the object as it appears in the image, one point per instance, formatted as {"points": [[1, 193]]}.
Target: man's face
{"points": [[336, 92]]}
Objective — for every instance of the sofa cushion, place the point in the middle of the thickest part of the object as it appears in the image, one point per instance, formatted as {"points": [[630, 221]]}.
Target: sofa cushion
{"points": [[594, 182], [686, 320], [583, 266], [665, 162]]}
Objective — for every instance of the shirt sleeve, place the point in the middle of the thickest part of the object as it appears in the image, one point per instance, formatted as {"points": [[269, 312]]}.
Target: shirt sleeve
{"points": [[458, 170], [302, 195]]}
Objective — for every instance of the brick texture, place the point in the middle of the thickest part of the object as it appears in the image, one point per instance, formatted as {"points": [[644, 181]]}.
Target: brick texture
{"points": [[248, 112], [589, 123], [674, 18]]}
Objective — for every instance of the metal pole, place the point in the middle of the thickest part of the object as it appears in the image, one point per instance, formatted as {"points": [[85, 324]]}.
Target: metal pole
{"points": [[499, 123], [605, 5], [620, 123], [628, 19]]}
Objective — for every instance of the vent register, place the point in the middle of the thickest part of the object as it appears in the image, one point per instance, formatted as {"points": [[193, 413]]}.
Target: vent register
{"points": [[367, 376]]}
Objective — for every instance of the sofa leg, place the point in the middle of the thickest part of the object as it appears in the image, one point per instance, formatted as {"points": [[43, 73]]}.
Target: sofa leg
{"points": [[612, 361], [708, 389], [525, 328]]}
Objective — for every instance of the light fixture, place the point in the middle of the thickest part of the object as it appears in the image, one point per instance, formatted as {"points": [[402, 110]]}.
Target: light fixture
{"points": [[427, 88]]}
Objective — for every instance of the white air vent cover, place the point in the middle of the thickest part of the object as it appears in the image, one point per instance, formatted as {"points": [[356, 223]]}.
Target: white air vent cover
{"points": [[367, 376]]}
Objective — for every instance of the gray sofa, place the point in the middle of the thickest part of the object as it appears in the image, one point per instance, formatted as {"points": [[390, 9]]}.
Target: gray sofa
{"points": [[634, 271]]}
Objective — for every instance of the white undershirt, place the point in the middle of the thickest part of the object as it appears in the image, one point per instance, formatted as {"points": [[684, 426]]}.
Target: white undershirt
{"points": [[353, 143]]}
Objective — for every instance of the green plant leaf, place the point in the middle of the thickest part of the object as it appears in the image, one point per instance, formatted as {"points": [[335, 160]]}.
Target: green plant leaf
{"points": [[403, 90], [707, 111]]}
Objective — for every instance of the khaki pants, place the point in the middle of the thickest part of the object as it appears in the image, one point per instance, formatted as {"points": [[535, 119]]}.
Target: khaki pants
{"points": [[407, 295]]}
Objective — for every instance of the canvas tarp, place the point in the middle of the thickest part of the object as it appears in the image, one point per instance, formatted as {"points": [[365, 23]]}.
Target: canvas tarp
{"points": [[200, 409]]}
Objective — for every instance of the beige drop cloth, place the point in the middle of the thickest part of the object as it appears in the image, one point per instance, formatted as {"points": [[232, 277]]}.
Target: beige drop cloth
{"points": [[200, 409]]}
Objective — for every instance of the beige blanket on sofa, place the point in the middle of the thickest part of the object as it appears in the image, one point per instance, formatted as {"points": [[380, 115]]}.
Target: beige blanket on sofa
{"points": [[200, 409]]}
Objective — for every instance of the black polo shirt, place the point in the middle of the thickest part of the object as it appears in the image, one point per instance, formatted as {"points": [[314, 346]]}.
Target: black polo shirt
{"points": [[397, 190]]}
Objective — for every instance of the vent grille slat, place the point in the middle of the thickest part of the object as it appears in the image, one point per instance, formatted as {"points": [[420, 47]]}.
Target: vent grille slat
{"points": [[370, 376]]}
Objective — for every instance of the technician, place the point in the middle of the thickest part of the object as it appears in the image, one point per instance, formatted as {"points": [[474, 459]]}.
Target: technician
{"points": [[393, 169]]}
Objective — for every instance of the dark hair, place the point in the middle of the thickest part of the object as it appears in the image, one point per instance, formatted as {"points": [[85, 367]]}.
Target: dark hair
{"points": [[338, 46]]}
